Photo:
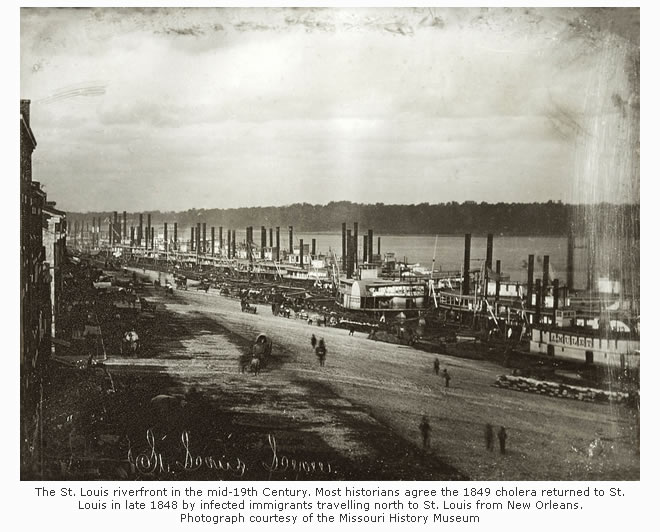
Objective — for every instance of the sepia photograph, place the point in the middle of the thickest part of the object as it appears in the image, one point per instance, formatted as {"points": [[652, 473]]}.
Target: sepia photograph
{"points": [[330, 244]]}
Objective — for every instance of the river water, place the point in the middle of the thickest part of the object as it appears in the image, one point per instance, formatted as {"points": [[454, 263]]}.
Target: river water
{"points": [[511, 251]]}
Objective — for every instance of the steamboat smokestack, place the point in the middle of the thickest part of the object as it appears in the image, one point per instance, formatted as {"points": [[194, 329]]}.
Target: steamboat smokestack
{"points": [[466, 264], [356, 254], [489, 251], [349, 255], [277, 243], [263, 242], [343, 246], [370, 255], [570, 266], [546, 277], [530, 280], [555, 299]]}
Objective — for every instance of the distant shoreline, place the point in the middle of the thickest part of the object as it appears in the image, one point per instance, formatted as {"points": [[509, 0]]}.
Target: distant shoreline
{"points": [[550, 219]]}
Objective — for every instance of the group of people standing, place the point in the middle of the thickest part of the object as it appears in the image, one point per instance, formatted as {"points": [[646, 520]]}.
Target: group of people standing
{"points": [[425, 431], [489, 433]]}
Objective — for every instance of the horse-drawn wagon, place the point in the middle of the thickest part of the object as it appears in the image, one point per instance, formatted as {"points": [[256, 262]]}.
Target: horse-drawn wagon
{"points": [[203, 285], [258, 355], [181, 282], [246, 307]]}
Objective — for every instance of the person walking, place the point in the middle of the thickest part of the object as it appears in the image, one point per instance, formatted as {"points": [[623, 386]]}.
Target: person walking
{"points": [[501, 435], [436, 366], [446, 376], [321, 352], [489, 435], [425, 430], [313, 341]]}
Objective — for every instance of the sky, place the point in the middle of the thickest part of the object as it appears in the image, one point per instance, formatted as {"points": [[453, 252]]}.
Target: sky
{"points": [[173, 109]]}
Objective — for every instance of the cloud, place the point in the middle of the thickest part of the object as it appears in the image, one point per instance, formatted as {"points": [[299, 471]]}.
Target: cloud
{"points": [[356, 101]]}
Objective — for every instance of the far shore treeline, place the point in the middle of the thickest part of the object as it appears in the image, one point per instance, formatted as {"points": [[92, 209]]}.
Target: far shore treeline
{"points": [[528, 219]]}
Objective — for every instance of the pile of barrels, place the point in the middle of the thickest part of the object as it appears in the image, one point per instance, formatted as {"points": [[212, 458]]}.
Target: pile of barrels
{"points": [[556, 389]]}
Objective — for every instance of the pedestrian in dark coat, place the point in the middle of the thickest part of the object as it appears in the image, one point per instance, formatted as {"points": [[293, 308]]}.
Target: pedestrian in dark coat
{"points": [[321, 352], [501, 435], [425, 430], [489, 435], [436, 366], [313, 342], [446, 376]]}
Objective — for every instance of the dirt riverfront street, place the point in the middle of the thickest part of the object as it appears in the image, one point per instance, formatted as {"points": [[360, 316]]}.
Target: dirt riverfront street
{"points": [[361, 412]]}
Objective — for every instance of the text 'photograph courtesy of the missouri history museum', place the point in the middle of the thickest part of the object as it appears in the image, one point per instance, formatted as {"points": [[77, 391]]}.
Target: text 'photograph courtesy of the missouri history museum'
{"points": [[329, 244]]}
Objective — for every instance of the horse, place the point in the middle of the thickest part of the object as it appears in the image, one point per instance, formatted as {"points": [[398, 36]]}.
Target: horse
{"points": [[255, 366], [244, 362]]}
